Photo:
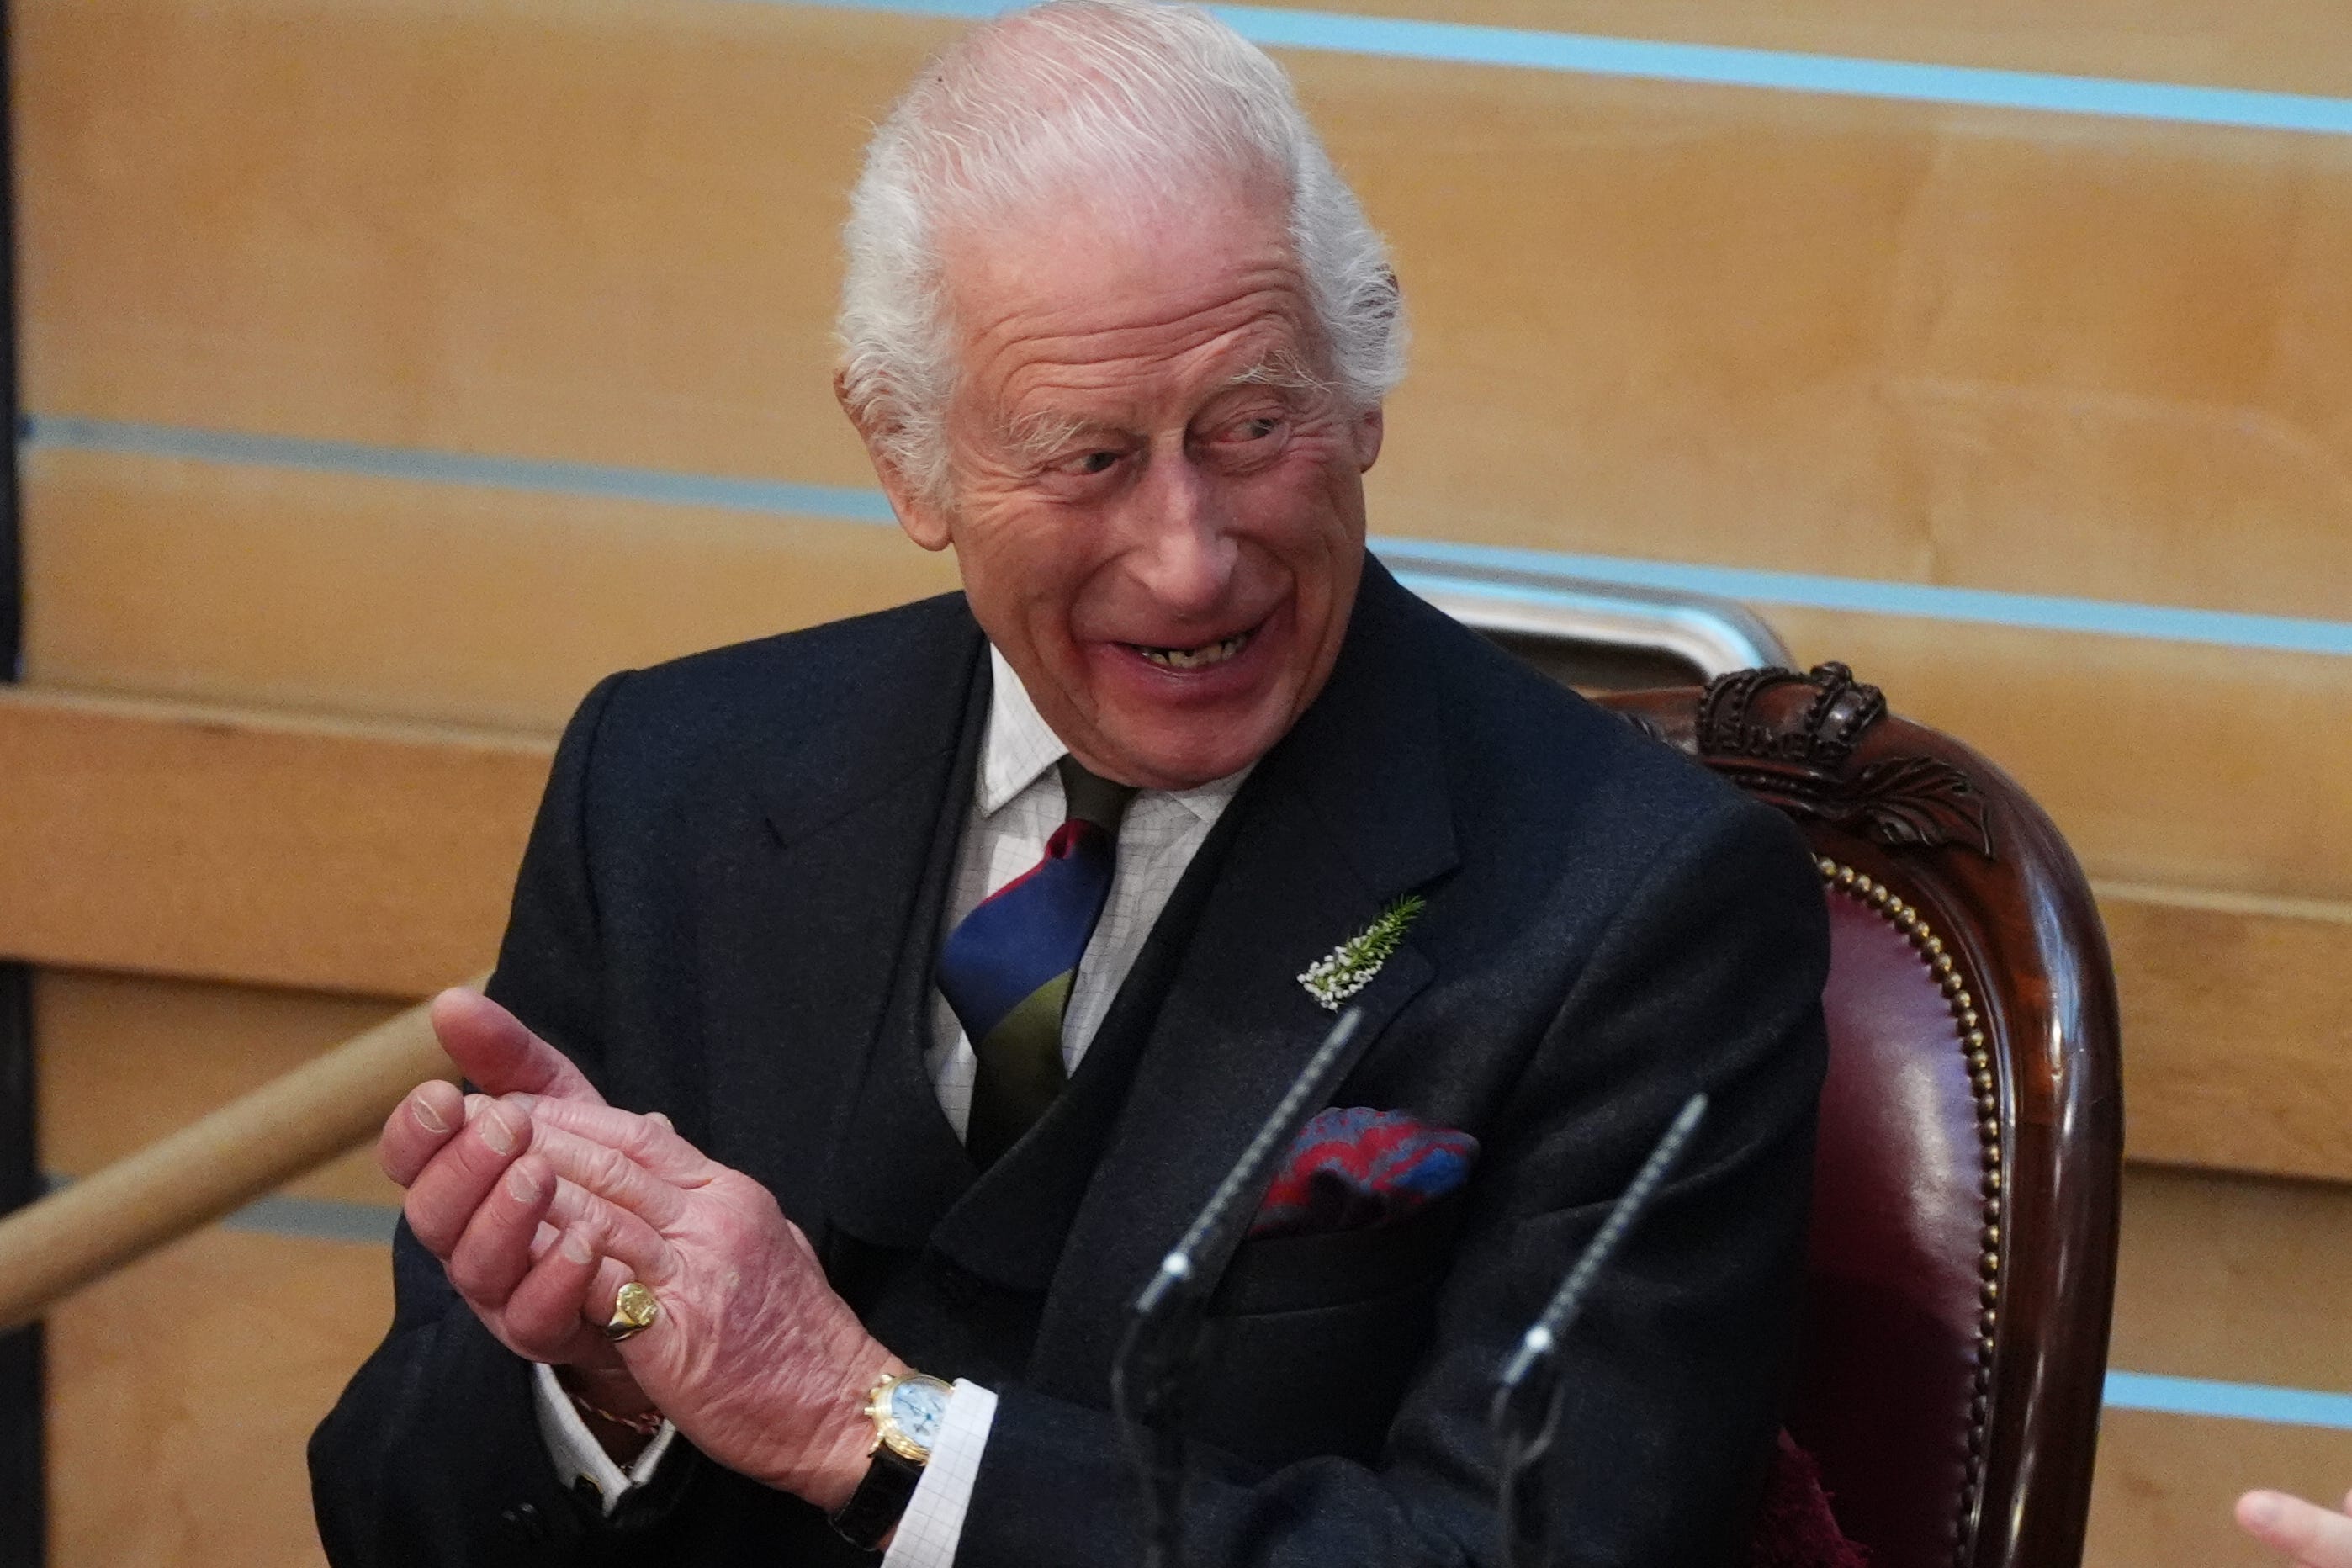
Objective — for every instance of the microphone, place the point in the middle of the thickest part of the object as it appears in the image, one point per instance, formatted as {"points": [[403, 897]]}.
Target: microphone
{"points": [[1525, 1415], [1163, 1334]]}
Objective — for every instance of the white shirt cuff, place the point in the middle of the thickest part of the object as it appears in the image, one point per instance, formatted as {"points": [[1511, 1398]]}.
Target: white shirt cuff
{"points": [[933, 1522], [577, 1453]]}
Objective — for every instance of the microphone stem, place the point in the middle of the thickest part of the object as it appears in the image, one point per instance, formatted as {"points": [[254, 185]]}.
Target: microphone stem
{"points": [[1163, 1546]]}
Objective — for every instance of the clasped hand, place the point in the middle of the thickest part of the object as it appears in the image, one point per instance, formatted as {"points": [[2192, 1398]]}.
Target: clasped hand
{"points": [[541, 1200]]}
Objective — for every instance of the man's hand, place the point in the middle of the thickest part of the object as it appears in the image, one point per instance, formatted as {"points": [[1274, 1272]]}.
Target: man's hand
{"points": [[541, 1200], [2306, 1532], [754, 1356], [527, 1257]]}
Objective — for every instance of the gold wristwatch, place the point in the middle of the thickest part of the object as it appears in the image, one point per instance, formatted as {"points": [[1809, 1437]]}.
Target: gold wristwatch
{"points": [[906, 1412]]}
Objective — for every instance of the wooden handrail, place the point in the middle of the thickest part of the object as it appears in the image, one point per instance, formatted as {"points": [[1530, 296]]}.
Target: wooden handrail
{"points": [[211, 1167]]}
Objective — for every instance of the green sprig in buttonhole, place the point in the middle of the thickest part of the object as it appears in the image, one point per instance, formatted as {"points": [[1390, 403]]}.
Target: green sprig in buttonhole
{"points": [[1350, 966]]}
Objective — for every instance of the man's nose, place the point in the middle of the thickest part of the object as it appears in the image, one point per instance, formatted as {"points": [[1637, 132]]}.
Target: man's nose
{"points": [[1184, 553]]}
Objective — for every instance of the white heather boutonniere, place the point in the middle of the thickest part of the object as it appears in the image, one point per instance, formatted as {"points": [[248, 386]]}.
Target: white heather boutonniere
{"points": [[1350, 967]]}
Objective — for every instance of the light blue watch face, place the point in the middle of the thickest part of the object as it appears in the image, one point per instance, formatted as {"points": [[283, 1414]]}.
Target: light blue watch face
{"points": [[918, 1408]]}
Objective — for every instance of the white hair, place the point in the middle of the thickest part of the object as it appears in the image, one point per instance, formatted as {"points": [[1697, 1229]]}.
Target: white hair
{"points": [[1129, 96]]}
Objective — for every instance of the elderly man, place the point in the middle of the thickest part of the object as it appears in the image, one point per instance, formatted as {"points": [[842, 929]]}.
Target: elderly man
{"points": [[944, 958]]}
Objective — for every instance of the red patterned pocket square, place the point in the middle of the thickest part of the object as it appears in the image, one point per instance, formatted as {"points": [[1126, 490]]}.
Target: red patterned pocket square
{"points": [[1356, 1169]]}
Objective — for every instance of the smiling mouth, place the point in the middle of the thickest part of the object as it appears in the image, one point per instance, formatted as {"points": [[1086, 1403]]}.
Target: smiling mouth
{"points": [[1200, 658]]}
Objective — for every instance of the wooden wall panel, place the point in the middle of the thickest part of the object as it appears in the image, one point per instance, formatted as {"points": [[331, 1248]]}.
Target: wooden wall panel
{"points": [[183, 1389], [2236, 1278], [1875, 341], [1886, 340], [214, 845], [378, 597], [591, 228], [128, 1059], [2237, 1033]]}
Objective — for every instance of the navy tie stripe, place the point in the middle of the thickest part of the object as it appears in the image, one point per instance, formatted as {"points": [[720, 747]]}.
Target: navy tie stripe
{"points": [[1008, 967], [1029, 931]]}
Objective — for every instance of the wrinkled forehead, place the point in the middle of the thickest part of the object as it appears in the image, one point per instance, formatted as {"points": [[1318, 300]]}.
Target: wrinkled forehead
{"points": [[1079, 293], [1090, 221]]}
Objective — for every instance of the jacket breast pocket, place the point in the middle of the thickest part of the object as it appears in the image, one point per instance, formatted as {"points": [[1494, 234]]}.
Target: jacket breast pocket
{"points": [[1312, 1338]]}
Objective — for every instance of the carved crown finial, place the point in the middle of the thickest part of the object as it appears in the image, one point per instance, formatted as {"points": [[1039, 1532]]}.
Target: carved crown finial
{"points": [[1796, 755], [1818, 738]]}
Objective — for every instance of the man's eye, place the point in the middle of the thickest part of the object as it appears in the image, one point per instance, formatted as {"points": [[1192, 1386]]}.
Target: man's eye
{"points": [[1096, 462], [1250, 431]]}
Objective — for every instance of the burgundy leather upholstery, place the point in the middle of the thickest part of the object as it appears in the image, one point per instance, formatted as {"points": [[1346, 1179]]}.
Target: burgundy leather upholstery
{"points": [[1891, 1330]]}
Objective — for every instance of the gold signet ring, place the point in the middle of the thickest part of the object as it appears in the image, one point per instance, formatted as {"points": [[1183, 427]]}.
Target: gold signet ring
{"points": [[635, 1311]]}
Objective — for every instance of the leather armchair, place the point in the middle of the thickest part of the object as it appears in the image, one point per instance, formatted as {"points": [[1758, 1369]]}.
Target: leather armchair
{"points": [[1965, 1211]]}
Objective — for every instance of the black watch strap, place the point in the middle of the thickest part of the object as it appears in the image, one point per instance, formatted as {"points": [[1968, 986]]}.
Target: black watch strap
{"points": [[874, 1508]]}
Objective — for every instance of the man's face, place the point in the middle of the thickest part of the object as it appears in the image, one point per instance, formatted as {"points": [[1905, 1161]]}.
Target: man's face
{"points": [[1158, 515]]}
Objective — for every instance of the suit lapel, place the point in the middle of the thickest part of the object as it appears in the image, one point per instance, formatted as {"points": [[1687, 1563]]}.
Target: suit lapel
{"points": [[845, 1119], [1347, 814]]}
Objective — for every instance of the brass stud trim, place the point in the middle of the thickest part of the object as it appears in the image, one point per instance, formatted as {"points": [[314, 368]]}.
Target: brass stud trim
{"points": [[1945, 969]]}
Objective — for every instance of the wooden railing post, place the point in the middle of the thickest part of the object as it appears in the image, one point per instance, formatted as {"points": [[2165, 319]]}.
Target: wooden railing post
{"points": [[215, 1165]]}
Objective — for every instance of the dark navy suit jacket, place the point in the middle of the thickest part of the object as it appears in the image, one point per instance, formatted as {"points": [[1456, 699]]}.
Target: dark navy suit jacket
{"points": [[727, 912]]}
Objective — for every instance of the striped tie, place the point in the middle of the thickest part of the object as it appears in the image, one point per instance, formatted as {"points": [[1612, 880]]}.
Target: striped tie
{"points": [[1007, 968]]}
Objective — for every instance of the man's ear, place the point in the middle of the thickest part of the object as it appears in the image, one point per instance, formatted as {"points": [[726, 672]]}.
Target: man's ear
{"points": [[1370, 427], [925, 523]]}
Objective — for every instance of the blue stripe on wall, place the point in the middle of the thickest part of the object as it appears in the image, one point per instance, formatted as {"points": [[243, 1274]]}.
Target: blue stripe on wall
{"points": [[313, 1219], [767, 496], [2102, 618], [317, 1219], [2231, 1401], [1713, 65], [2039, 611]]}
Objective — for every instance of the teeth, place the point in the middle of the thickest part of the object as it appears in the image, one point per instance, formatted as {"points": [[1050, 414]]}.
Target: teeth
{"points": [[1194, 658]]}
